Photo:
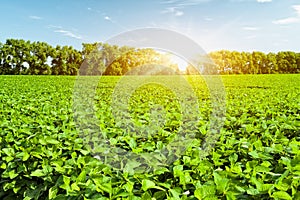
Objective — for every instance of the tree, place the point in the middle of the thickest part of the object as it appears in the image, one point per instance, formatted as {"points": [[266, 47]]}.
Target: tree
{"points": [[272, 65], [138, 61], [39, 58], [93, 63], [59, 57], [18, 56], [5, 67], [74, 60], [292, 62], [236, 62], [282, 62], [258, 62], [298, 62], [13, 56], [246, 63]]}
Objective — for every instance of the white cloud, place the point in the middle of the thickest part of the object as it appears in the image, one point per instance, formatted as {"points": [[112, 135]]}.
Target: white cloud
{"points": [[250, 28], [169, 1], [184, 2], [290, 20], [60, 29], [35, 17], [179, 13], [264, 1], [54, 27], [169, 10], [258, 1], [208, 19], [68, 33], [173, 10], [297, 9], [89, 8], [175, 7], [191, 2], [107, 18]]}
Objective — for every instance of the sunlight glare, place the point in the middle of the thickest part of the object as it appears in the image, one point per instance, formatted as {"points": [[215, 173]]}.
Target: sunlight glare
{"points": [[182, 64]]}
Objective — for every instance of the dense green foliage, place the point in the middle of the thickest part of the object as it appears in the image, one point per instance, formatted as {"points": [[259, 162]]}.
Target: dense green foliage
{"points": [[105, 59], [39, 58], [233, 62], [257, 156]]}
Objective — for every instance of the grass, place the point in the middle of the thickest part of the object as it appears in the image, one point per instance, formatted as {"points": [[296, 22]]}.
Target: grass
{"points": [[141, 138]]}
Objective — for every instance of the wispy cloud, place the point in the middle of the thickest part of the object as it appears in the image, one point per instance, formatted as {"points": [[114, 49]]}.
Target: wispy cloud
{"points": [[68, 34], [250, 28], [257, 1], [169, 1], [191, 2], [290, 20], [176, 7], [208, 19], [173, 10], [60, 29], [179, 13], [54, 27], [297, 9], [107, 18], [35, 17], [264, 1], [115, 22]]}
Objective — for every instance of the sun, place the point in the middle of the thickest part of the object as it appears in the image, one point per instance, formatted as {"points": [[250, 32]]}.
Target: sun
{"points": [[182, 64], [173, 59]]}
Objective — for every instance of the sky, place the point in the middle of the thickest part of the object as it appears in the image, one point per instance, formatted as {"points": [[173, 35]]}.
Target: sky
{"points": [[241, 25]]}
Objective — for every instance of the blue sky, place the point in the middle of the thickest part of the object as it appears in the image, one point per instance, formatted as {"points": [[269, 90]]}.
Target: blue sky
{"points": [[243, 25]]}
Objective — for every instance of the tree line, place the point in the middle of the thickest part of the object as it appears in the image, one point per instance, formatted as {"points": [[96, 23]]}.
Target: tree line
{"points": [[18, 56], [233, 62]]}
